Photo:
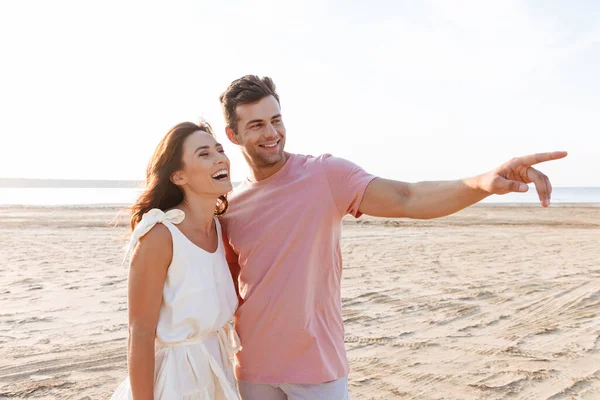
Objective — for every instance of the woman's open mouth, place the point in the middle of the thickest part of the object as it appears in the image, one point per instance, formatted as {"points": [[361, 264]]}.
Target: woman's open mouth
{"points": [[221, 175]]}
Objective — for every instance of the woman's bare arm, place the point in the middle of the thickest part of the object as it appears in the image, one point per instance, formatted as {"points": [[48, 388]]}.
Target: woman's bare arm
{"points": [[147, 274]]}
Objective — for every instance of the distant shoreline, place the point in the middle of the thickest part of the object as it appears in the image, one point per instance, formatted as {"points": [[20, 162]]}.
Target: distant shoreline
{"points": [[15, 183], [119, 206], [68, 183], [22, 183]]}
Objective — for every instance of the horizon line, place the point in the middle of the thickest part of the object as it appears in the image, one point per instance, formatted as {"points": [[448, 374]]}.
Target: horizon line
{"points": [[131, 183]]}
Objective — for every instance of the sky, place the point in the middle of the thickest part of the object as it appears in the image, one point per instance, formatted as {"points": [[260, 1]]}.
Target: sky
{"points": [[408, 90]]}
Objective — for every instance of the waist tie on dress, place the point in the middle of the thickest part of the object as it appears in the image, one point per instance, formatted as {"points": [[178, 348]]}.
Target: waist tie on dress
{"points": [[230, 342], [227, 335]]}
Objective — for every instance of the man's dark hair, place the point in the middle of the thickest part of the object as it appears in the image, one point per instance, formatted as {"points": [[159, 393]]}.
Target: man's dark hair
{"points": [[245, 90]]}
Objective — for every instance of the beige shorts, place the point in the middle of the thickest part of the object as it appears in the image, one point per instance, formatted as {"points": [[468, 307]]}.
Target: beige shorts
{"points": [[334, 390]]}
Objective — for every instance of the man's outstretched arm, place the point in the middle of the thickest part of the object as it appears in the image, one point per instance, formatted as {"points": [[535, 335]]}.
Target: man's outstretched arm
{"points": [[425, 200]]}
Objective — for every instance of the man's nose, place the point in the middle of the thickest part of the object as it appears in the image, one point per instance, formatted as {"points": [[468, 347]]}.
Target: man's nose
{"points": [[271, 131]]}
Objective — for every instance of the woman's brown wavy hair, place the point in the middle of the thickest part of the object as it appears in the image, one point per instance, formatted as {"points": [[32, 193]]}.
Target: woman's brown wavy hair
{"points": [[160, 192]]}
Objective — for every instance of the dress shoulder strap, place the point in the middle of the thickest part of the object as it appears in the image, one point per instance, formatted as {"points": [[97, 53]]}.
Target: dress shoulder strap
{"points": [[148, 221]]}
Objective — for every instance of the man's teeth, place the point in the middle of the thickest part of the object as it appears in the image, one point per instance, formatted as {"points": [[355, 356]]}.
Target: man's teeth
{"points": [[221, 173], [270, 145]]}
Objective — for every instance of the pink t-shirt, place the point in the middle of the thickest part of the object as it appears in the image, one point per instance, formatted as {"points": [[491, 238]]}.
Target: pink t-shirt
{"points": [[285, 234]]}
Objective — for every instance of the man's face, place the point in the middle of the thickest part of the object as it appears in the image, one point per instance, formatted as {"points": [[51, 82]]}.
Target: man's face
{"points": [[260, 132]]}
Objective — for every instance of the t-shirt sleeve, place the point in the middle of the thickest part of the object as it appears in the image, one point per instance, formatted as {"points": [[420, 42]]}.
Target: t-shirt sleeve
{"points": [[347, 182]]}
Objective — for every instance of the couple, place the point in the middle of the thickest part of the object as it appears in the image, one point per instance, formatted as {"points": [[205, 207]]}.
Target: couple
{"points": [[278, 236]]}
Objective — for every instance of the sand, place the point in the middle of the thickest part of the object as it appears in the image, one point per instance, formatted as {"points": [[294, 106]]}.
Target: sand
{"points": [[494, 302]]}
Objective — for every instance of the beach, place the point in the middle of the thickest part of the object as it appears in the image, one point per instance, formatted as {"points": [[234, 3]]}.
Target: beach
{"points": [[497, 301]]}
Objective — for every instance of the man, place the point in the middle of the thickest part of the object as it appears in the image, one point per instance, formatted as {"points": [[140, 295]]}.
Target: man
{"points": [[283, 228]]}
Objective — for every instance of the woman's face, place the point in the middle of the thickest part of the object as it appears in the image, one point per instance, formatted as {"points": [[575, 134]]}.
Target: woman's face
{"points": [[205, 166]]}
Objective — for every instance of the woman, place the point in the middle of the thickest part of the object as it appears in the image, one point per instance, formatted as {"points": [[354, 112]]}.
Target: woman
{"points": [[181, 296]]}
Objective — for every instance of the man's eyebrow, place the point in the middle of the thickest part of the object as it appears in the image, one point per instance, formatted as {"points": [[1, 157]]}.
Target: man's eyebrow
{"points": [[253, 121], [260, 120]]}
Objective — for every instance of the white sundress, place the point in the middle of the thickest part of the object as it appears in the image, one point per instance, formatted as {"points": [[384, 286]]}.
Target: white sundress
{"points": [[195, 340]]}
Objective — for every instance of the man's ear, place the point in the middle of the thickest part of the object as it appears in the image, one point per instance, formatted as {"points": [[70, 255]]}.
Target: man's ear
{"points": [[231, 135], [178, 178]]}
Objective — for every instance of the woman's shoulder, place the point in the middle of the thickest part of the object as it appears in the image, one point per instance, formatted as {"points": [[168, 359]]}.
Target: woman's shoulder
{"points": [[151, 237], [154, 248], [157, 235]]}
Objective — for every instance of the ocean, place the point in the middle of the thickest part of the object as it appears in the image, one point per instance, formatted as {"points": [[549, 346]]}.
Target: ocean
{"points": [[123, 196]]}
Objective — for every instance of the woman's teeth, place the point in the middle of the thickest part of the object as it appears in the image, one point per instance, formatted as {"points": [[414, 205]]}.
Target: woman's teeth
{"points": [[222, 174]]}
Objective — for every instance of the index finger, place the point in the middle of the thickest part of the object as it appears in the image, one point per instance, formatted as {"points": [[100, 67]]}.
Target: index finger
{"points": [[537, 158]]}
